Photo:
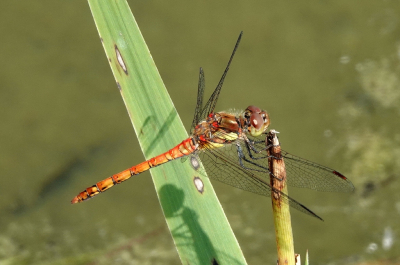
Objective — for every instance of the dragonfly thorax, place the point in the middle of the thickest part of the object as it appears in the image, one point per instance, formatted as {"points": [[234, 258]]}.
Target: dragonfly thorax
{"points": [[218, 128]]}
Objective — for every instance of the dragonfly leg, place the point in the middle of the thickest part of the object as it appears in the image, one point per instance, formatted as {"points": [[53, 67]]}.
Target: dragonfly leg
{"points": [[242, 158], [250, 147]]}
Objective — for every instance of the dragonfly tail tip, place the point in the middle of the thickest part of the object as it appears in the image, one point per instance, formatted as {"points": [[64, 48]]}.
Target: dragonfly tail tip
{"points": [[75, 200]]}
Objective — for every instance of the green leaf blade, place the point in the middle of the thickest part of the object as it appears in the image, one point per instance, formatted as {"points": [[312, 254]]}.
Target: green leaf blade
{"points": [[196, 220]]}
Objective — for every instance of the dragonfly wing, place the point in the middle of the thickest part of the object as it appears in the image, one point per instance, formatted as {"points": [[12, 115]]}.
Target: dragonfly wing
{"points": [[210, 105], [200, 95], [222, 164], [301, 172], [306, 174]]}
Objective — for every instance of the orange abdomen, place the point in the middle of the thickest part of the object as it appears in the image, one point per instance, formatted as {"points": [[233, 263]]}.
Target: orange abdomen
{"points": [[185, 148]]}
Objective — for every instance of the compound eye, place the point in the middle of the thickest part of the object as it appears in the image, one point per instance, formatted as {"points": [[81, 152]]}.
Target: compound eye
{"points": [[256, 121], [254, 109]]}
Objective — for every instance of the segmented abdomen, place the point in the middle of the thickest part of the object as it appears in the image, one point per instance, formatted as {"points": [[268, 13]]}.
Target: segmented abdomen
{"points": [[187, 147]]}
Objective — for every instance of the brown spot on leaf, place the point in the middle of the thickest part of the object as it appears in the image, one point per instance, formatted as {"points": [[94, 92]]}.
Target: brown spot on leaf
{"points": [[194, 162], [198, 183], [120, 59]]}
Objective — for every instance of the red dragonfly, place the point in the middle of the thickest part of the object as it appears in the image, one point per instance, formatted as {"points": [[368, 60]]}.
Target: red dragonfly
{"points": [[231, 148]]}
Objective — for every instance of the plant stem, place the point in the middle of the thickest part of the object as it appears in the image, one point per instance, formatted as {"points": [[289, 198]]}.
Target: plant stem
{"points": [[281, 213]]}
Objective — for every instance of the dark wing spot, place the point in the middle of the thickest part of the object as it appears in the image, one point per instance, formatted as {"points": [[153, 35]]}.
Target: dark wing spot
{"points": [[339, 175]]}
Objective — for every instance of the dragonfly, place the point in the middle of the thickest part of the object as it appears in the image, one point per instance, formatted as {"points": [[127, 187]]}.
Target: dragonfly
{"points": [[231, 147]]}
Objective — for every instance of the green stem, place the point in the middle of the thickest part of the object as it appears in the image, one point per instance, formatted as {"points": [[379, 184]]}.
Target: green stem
{"points": [[281, 213]]}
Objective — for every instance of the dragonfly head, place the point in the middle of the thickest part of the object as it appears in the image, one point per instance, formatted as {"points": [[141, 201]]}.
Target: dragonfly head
{"points": [[257, 120]]}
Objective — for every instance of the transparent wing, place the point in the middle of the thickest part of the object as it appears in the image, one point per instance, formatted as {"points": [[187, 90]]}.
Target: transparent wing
{"points": [[210, 105], [222, 164], [306, 174], [300, 172], [200, 95]]}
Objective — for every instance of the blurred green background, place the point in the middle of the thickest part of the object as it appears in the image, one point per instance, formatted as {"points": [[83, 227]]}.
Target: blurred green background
{"points": [[326, 71]]}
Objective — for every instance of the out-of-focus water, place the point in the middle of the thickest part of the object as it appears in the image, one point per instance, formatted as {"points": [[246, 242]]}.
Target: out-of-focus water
{"points": [[328, 73]]}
